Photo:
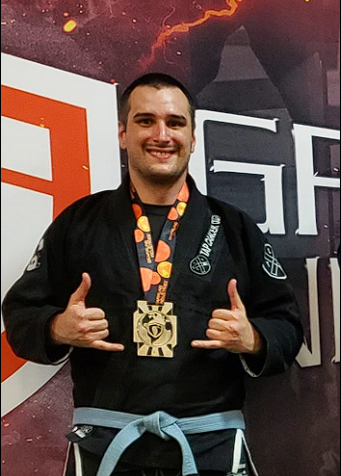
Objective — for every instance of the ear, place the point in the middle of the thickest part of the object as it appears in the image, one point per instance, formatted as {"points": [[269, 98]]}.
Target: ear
{"points": [[122, 135], [193, 144]]}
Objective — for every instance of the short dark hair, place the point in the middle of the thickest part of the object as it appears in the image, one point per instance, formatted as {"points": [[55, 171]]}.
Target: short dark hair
{"points": [[158, 81]]}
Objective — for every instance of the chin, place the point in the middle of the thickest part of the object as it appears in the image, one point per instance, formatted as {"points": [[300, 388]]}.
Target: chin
{"points": [[165, 176]]}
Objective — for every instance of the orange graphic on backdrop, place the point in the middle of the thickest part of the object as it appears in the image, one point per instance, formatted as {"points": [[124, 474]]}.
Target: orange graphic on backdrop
{"points": [[68, 140], [70, 165], [167, 32]]}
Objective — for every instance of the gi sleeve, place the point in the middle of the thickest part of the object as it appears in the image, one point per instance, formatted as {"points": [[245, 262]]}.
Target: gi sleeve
{"points": [[35, 299], [271, 307]]}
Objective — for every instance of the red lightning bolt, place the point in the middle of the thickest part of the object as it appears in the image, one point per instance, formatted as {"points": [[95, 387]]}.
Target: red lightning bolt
{"points": [[167, 32]]}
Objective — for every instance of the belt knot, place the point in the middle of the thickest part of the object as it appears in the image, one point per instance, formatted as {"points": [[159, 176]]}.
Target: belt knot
{"points": [[157, 422]]}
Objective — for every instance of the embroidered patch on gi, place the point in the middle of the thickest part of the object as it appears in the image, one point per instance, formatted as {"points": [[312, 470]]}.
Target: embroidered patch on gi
{"points": [[200, 265], [82, 431], [271, 264], [35, 262]]}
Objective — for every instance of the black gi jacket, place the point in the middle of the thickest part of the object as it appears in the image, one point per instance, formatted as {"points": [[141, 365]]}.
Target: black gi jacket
{"points": [[95, 235]]}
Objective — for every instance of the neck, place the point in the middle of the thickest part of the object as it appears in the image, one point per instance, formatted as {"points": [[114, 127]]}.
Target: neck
{"points": [[153, 193]]}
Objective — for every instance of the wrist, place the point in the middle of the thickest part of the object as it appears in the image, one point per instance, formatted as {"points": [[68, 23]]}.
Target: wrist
{"points": [[258, 344], [54, 335]]}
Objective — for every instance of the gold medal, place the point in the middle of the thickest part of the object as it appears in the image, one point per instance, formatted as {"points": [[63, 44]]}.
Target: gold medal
{"points": [[155, 326], [155, 330]]}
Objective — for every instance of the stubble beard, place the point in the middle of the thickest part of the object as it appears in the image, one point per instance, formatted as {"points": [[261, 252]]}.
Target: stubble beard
{"points": [[158, 178]]}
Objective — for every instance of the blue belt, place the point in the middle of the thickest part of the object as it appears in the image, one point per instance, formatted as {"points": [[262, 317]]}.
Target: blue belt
{"points": [[161, 424]]}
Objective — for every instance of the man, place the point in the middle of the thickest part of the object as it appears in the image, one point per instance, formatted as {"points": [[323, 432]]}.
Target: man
{"points": [[163, 299]]}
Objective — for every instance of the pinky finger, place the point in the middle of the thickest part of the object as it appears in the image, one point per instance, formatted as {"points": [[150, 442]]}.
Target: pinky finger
{"points": [[207, 344], [107, 346]]}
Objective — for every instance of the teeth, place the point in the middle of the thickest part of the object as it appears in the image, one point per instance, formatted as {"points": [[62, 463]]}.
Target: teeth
{"points": [[160, 153]]}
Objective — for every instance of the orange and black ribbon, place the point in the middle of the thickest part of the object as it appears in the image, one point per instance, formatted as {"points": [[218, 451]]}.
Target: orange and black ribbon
{"points": [[156, 268]]}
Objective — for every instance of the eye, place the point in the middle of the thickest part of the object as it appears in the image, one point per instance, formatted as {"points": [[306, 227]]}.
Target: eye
{"points": [[145, 121], [175, 123]]}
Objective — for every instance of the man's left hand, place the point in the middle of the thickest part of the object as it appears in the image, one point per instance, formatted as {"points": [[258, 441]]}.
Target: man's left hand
{"points": [[231, 329]]}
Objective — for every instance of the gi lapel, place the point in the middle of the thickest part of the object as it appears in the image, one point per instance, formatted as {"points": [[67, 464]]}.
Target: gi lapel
{"points": [[193, 227], [125, 222]]}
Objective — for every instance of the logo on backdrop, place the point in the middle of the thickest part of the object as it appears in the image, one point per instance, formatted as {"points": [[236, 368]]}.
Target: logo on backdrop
{"points": [[41, 96]]}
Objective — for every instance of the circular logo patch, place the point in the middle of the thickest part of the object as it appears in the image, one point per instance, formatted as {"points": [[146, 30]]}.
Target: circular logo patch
{"points": [[200, 265]]}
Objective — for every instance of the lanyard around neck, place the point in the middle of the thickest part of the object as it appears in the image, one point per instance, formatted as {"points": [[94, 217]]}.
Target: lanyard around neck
{"points": [[156, 268]]}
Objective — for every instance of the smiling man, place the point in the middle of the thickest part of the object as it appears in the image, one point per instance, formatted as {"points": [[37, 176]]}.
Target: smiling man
{"points": [[157, 130], [163, 299]]}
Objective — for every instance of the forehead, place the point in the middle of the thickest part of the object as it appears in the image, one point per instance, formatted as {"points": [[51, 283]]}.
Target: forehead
{"points": [[164, 101]]}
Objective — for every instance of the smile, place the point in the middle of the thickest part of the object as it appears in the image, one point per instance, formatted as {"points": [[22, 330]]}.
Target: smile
{"points": [[161, 153]]}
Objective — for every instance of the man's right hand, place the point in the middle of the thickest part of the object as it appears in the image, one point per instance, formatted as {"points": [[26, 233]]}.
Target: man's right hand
{"points": [[80, 326]]}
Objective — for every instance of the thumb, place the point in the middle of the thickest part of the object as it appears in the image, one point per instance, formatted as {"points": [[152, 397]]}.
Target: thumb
{"points": [[82, 291], [235, 299]]}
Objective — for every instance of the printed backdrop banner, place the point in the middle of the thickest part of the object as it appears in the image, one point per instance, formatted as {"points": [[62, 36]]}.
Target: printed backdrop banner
{"points": [[265, 74]]}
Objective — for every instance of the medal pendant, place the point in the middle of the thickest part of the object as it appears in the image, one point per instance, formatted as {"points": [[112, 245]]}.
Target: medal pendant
{"points": [[155, 330]]}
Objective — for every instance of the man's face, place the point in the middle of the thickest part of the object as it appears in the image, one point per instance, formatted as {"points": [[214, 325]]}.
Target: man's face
{"points": [[158, 136]]}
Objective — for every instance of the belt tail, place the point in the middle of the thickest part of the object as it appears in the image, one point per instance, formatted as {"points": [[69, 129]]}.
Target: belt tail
{"points": [[189, 466], [119, 444]]}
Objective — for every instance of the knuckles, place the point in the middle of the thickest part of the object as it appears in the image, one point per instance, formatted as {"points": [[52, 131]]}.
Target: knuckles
{"points": [[230, 333], [82, 328], [88, 337]]}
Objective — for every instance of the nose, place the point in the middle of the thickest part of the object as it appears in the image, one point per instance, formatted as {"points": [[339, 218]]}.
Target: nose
{"points": [[161, 132]]}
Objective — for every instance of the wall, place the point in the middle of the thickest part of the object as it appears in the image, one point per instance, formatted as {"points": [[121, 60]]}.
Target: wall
{"points": [[266, 79]]}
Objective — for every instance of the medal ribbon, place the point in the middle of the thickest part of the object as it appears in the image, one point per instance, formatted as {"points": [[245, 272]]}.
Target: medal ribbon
{"points": [[156, 268]]}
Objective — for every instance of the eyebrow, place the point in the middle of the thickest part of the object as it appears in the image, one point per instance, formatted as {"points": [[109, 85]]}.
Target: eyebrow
{"points": [[141, 115]]}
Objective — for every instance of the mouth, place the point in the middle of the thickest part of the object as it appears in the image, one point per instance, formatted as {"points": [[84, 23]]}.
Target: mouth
{"points": [[160, 154]]}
